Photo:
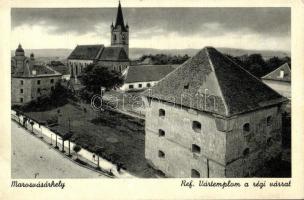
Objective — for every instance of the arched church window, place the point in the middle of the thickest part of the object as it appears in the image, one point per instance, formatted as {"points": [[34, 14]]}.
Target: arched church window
{"points": [[114, 37]]}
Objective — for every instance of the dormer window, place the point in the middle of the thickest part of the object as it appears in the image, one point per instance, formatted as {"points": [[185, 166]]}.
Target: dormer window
{"points": [[282, 73]]}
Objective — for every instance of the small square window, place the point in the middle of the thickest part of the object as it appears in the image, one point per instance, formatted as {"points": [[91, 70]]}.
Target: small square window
{"points": [[196, 126], [269, 120], [52, 80], [139, 85], [38, 82], [161, 154], [161, 112], [21, 91], [196, 148], [131, 86], [161, 133], [148, 84], [195, 174]]}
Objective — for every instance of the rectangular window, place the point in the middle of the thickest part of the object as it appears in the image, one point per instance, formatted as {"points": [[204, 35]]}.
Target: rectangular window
{"points": [[196, 148], [161, 154], [196, 126], [52, 80], [21, 91], [195, 174], [38, 90], [161, 133], [148, 84], [139, 85], [131, 86], [21, 100], [21, 82], [38, 82], [161, 113]]}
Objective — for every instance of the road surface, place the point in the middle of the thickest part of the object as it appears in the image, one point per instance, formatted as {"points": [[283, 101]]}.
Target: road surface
{"points": [[32, 158]]}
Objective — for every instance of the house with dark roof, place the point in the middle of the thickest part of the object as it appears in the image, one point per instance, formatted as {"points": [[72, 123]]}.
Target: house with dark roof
{"points": [[211, 118], [30, 81], [280, 80], [140, 77], [115, 57]]}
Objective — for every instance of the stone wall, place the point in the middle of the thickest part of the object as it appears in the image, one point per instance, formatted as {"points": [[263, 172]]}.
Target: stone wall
{"points": [[225, 149], [177, 143], [30, 88], [262, 141]]}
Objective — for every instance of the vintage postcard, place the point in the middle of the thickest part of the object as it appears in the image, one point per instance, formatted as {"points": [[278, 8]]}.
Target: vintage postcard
{"points": [[152, 100]]}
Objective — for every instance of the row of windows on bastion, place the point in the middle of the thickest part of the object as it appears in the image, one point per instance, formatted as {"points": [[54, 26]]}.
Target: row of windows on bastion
{"points": [[140, 85], [196, 126], [38, 82]]}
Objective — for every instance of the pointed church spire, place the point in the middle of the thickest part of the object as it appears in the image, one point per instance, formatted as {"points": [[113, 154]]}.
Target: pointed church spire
{"points": [[119, 18]]}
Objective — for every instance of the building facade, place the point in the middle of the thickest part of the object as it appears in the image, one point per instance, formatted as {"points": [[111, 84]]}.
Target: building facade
{"points": [[115, 57], [211, 118], [280, 80], [141, 77], [30, 81]]}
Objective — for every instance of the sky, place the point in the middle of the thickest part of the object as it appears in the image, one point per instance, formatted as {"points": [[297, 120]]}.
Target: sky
{"points": [[160, 28]]}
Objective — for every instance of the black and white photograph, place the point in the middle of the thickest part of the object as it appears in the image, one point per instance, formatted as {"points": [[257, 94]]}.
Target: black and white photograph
{"points": [[125, 91]]}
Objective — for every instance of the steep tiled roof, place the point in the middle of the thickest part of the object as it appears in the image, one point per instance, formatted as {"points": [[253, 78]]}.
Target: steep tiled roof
{"points": [[145, 73], [277, 76], [86, 52], [114, 54], [213, 83]]}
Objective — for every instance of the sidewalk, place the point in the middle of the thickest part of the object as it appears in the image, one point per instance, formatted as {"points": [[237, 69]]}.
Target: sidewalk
{"points": [[106, 168]]}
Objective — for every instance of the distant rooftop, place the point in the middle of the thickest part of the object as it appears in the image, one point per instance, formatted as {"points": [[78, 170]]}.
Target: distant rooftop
{"points": [[282, 73]]}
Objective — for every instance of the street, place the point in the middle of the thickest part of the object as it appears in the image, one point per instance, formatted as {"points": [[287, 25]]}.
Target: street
{"points": [[32, 158]]}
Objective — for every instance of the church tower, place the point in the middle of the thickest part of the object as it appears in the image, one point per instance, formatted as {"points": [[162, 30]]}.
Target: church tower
{"points": [[120, 32]]}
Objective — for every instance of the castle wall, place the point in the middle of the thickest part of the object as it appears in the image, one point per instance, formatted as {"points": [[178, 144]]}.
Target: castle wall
{"points": [[263, 142], [30, 88], [177, 143]]}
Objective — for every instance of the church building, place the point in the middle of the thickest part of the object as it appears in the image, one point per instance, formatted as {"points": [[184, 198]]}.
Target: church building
{"points": [[211, 118], [115, 57]]}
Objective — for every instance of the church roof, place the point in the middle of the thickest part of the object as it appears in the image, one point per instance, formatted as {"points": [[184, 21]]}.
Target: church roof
{"points": [[119, 19], [277, 76], [114, 54], [146, 73], [213, 83], [86, 52]]}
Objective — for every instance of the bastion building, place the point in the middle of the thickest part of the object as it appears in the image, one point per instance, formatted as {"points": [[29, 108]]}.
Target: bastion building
{"points": [[115, 57], [29, 80], [211, 118]]}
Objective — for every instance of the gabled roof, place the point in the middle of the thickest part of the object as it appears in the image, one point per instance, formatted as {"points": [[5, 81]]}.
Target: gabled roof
{"points": [[211, 82], [145, 73], [282, 73], [113, 54], [86, 52]]}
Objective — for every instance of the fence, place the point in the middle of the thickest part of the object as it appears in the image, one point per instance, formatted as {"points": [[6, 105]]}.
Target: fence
{"points": [[44, 131]]}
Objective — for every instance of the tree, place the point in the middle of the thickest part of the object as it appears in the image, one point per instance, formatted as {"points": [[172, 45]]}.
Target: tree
{"points": [[18, 115], [96, 76], [99, 152], [76, 148], [32, 125], [65, 137]]}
